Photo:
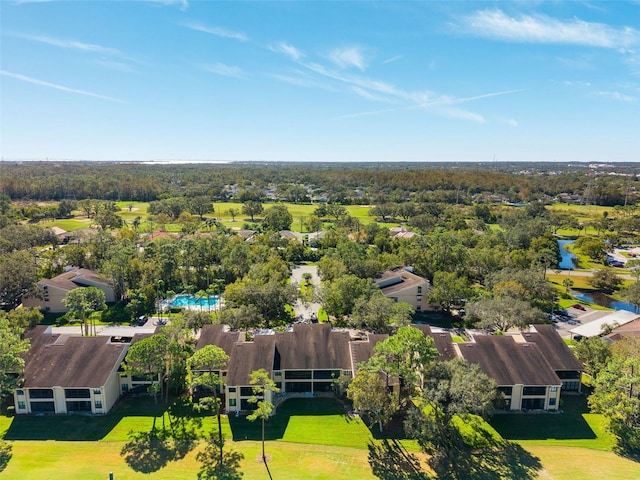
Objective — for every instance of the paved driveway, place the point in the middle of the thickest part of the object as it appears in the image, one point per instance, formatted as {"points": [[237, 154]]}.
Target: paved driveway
{"points": [[305, 310]]}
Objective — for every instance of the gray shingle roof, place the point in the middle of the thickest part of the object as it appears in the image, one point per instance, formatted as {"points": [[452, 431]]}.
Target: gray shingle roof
{"points": [[509, 362], [313, 346], [69, 361], [553, 348]]}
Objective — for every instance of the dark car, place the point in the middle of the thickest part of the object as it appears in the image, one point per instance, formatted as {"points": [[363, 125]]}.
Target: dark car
{"points": [[142, 320], [579, 307]]}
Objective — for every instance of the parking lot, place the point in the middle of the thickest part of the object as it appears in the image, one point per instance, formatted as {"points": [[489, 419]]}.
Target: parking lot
{"points": [[572, 317]]}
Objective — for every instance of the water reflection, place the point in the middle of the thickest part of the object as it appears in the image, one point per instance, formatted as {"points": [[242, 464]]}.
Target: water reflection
{"points": [[567, 259], [604, 300]]}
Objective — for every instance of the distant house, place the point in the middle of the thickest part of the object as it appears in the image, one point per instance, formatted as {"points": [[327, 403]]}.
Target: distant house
{"points": [[402, 285], [69, 373], [53, 290], [401, 232], [77, 236]]}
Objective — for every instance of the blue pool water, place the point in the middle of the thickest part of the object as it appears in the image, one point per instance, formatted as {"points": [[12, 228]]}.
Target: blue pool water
{"points": [[190, 301]]}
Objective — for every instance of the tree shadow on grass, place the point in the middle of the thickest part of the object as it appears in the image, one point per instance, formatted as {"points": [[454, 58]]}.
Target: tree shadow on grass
{"points": [[390, 461], [215, 468], [504, 461], [5, 454], [148, 452]]}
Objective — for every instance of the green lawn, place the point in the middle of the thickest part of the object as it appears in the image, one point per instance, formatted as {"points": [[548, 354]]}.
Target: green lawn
{"points": [[574, 427], [308, 438]]}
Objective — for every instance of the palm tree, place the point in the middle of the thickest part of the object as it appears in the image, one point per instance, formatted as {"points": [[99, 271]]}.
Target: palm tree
{"points": [[204, 368], [263, 386]]}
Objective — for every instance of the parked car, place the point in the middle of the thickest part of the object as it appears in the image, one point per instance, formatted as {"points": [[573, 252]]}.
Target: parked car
{"points": [[579, 307]]}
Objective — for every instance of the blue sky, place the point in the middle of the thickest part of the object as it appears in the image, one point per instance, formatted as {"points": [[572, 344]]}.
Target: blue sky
{"points": [[320, 81]]}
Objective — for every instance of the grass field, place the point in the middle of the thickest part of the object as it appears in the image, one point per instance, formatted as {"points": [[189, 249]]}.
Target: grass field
{"points": [[299, 212], [307, 439]]}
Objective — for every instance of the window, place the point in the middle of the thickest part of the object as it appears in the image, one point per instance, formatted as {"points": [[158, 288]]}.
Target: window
{"points": [[419, 290], [77, 393], [125, 387], [20, 392], [231, 389], [42, 407], [297, 374], [41, 393], [97, 391], [98, 404], [554, 388], [552, 401], [571, 386], [326, 374], [534, 391], [79, 406], [246, 391], [232, 402], [21, 405], [505, 390]]}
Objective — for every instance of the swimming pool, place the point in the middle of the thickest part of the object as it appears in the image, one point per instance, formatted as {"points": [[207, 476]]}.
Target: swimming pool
{"points": [[191, 301]]}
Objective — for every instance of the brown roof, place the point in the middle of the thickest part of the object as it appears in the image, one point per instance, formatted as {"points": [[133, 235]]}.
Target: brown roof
{"points": [[555, 351], [631, 329], [214, 335], [441, 340], [361, 351], [398, 279], [246, 357], [312, 346], [69, 361], [74, 278], [509, 362]]}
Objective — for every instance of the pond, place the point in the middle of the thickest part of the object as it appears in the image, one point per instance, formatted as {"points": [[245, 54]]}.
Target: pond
{"points": [[567, 259], [604, 300]]}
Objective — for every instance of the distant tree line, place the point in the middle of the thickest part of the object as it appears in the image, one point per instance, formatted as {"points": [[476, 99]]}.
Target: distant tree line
{"points": [[335, 183]]}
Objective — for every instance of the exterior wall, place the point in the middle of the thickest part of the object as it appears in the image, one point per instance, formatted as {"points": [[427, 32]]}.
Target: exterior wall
{"points": [[547, 400], [128, 384], [112, 390], [106, 288], [238, 397], [51, 301], [413, 296]]}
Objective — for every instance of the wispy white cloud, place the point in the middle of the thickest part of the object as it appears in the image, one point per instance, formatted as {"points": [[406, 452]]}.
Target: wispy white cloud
{"points": [[55, 86], [183, 4], [445, 105], [392, 59], [217, 31], [287, 49], [460, 114], [114, 65], [348, 57], [361, 92], [301, 79], [225, 70], [544, 29], [68, 44], [617, 96], [576, 83]]}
